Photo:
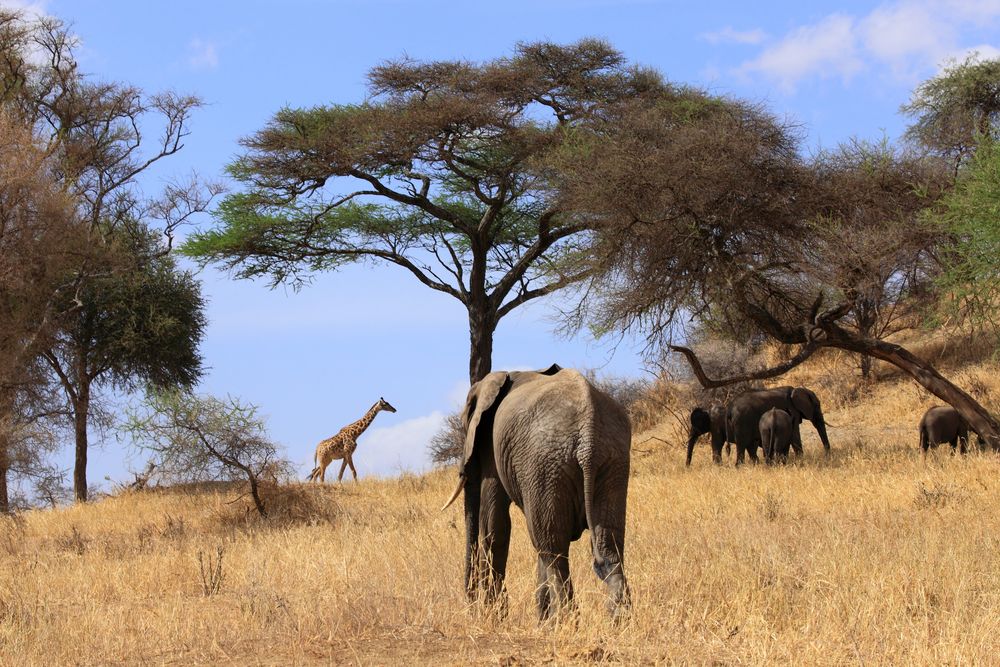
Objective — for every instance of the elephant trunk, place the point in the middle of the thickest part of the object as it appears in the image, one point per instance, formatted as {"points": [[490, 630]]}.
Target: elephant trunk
{"points": [[690, 446], [473, 573], [820, 425]]}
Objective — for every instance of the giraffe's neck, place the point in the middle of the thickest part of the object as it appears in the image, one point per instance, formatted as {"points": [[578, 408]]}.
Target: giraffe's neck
{"points": [[358, 427]]}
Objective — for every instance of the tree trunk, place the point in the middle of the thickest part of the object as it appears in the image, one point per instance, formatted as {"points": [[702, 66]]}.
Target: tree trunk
{"points": [[864, 314], [6, 421], [4, 494], [481, 329], [81, 414], [866, 366]]}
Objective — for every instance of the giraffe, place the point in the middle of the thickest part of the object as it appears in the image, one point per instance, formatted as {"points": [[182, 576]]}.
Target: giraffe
{"points": [[342, 445]]}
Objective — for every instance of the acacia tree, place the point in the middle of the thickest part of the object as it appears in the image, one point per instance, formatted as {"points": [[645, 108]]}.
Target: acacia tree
{"points": [[100, 139], [441, 172], [203, 438], [140, 325], [869, 240], [721, 225], [40, 239], [954, 111]]}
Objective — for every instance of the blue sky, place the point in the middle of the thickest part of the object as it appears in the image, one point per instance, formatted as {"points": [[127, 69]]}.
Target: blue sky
{"points": [[316, 359]]}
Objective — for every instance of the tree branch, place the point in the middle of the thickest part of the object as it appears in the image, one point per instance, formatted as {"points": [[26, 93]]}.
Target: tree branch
{"points": [[708, 383]]}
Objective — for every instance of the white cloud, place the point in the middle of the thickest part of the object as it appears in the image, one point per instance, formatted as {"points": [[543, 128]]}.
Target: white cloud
{"points": [[827, 48], [389, 450], [975, 11], [730, 35], [457, 395], [203, 54], [908, 37], [981, 51], [35, 9]]}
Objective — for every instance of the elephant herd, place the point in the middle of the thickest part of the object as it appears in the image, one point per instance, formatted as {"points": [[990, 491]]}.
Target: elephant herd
{"points": [[770, 418], [766, 418], [557, 447]]}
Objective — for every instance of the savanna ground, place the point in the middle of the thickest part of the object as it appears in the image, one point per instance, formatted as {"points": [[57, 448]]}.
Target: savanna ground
{"points": [[871, 556]]}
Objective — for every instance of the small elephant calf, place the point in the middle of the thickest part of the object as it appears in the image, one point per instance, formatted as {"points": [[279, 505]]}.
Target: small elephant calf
{"points": [[941, 424], [777, 431]]}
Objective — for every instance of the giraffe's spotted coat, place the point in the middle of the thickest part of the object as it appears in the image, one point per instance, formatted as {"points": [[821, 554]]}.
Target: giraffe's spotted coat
{"points": [[343, 444]]}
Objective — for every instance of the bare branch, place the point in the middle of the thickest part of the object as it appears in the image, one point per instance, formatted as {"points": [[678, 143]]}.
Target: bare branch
{"points": [[804, 353]]}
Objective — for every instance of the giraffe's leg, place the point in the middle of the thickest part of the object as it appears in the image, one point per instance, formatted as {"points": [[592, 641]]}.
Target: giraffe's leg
{"points": [[343, 467], [321, 471], [350, 462]]}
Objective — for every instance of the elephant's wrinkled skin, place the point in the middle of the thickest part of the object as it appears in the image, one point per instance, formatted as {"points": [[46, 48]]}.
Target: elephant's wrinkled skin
{"points": [[711, 421], [745, 411], [777, 430], [943, 424], [558, 448]]}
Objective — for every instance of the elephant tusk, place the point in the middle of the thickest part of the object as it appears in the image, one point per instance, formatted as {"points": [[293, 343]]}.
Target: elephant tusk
{"points": [[458, 489]]}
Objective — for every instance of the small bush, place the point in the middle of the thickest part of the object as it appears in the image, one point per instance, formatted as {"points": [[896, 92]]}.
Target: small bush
{"points": [[447, 444]]}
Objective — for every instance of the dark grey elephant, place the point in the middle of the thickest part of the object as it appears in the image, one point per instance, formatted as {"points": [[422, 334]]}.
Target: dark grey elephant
{"points": [[943, 424], [745, 411], [711, 421], [777, 431], [558, 448]]}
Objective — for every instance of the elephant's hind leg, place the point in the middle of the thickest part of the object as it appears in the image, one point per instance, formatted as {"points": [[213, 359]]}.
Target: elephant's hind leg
{"points": [[555, 589]]}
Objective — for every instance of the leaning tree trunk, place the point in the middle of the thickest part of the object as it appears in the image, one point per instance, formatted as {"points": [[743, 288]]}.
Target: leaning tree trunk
{"points": [[81, 415], [978, 418]]}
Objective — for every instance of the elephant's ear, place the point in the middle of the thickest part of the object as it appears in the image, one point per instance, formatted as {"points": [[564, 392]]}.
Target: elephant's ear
{"points": [[551, 370], [482, 396], [804, 401], [701, 421]]}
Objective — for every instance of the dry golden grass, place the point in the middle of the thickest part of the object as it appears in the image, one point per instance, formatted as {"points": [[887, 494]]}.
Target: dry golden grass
{"points": [[869, 557]]}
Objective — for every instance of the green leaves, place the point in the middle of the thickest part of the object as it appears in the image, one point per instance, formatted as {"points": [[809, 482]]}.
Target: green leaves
{"points": [[959, 107], [971, 213]]}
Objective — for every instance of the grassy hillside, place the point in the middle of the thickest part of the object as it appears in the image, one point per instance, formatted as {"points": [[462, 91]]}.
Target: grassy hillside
{"points": [[870, 556]]}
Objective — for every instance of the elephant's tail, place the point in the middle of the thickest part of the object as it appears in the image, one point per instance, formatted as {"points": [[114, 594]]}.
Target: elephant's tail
{"points": [[588, 492]]}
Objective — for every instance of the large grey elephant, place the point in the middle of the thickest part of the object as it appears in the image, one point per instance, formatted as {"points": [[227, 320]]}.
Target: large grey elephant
{"points": [[558, 448], [711, 421], [745, 411], [777, 430], [943, 423]]}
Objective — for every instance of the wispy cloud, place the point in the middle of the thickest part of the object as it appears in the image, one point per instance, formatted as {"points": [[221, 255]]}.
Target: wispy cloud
{"points": [[36, 8], [730, 35], [907, 37], [392, 449], [827, 48], [203, 54]]}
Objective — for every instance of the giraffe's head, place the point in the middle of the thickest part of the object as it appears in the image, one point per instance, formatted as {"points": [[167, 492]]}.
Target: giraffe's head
{"points": [[384, 405]]}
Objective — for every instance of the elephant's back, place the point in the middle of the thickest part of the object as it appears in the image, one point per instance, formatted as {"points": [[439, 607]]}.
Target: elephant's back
{"points": [[551, 425], [567, 403], [753, 404], [942, 419]]}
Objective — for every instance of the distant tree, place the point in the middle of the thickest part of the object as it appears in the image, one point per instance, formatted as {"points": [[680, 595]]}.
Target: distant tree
{"points": [[40, 241], [723, 227], [99, 139], [971, 214], [441, 171], [137, 326], [447, 443], [203, 438], [870, 243], [957, 109]]}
